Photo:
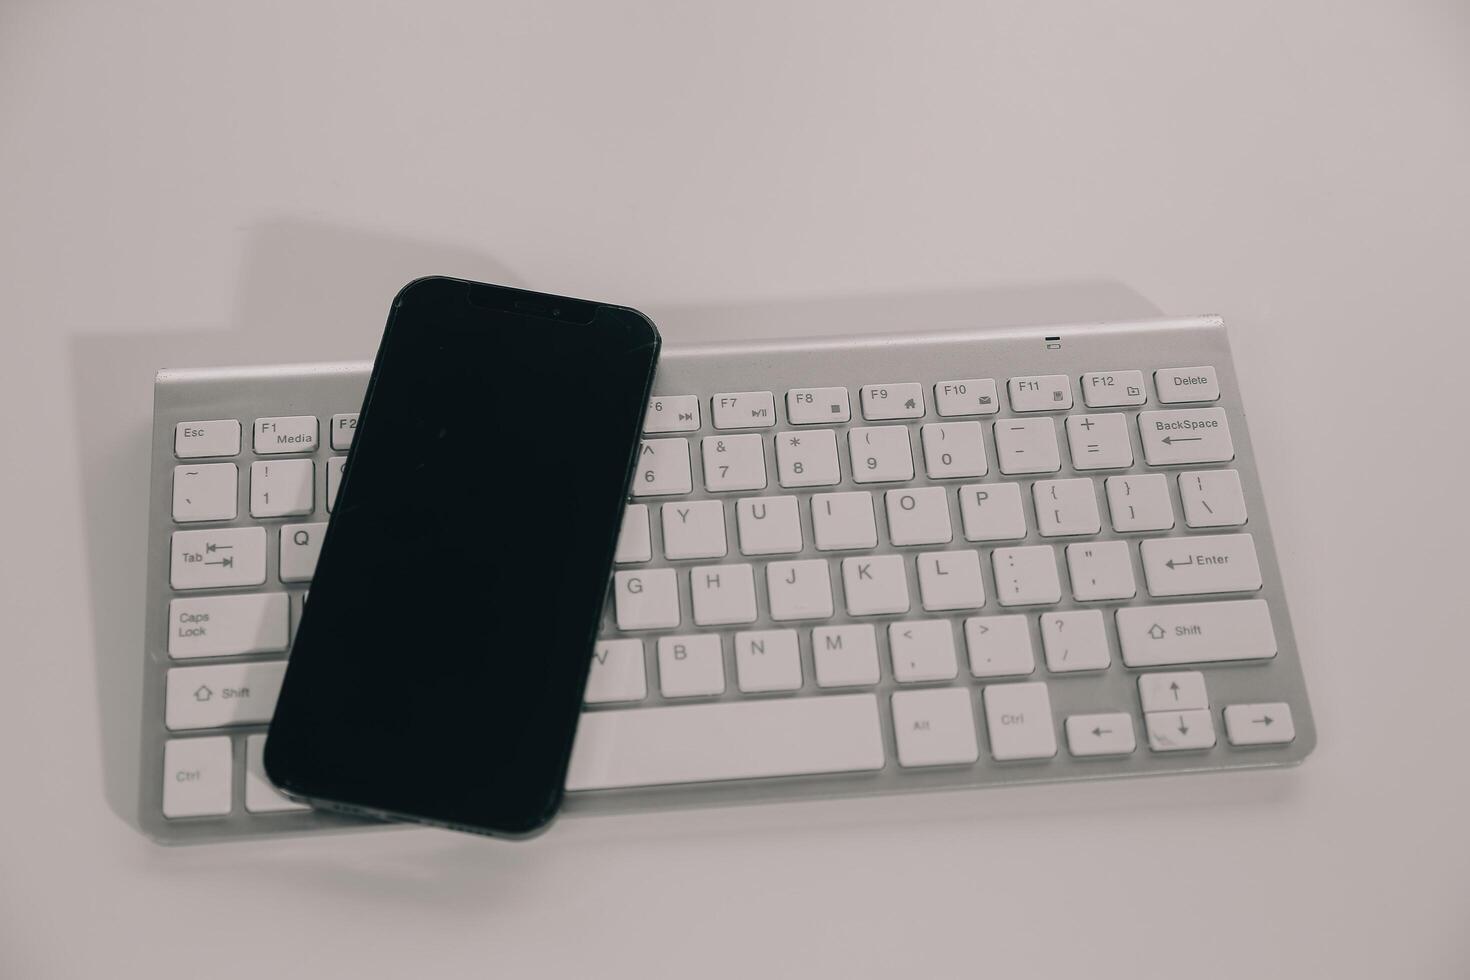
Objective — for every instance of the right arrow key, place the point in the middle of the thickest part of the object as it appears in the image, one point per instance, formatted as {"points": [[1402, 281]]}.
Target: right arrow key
{"points": [[1259, 724]]}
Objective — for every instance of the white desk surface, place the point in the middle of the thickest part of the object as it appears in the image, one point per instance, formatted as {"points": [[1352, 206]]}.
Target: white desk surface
{"points": [[185, 183]]}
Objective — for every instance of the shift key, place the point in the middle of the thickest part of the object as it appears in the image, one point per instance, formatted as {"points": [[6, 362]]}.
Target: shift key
{"points": [[1195, 633], [1201, 565], [228, 694]]}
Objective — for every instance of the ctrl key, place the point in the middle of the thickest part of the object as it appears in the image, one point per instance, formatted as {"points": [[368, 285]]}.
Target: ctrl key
{"points": [[197, 773], [1018, 719]]}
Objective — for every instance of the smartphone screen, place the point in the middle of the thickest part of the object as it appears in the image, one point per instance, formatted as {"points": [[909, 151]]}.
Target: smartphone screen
{"points": [[439, 666]]}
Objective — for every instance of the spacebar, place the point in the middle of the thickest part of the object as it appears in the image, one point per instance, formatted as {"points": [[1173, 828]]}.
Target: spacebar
{"points": [[730, 740]]}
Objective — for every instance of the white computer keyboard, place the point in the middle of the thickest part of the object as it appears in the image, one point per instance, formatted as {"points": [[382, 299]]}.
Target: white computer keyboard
{"points": [[849, 566]]}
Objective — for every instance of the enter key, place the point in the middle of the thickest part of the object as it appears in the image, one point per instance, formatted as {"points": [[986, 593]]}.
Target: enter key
{"points": [[1202, 565]]}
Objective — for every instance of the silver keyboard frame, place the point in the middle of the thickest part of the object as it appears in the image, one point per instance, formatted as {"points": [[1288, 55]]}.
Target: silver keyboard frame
{"points": [[326, 389]]}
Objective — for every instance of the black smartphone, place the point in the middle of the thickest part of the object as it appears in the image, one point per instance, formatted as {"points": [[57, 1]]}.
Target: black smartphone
{"points": [[438, 671]]}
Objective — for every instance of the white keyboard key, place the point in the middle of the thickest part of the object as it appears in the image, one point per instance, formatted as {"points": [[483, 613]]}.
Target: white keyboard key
{"points": [[197, 777], [634, 542], [222, 558], [690, 666], [807, 459], [1066, 507], [1200, 565], [663, 468], [287, 434], [672, 413], [950, 580], [918, 516], [1186, 435], [722, 594], [1177, 731], [1044, 393], [300, 546], [1099, 442], [922, 651], [344, 428], [744, 409], [799, 589], [769, 525], [817, 406], [1075, 640], [1101, 570], [767, 660], [226, 625], [1112, 389], [734, 463], [1140, 503], [875, 585], [935, 728], [222, 694], [1027, 446], [282, 487], [1109, 733], [617, 673], [336, 469], [694, 529], [953, 449], [205, 492], [727, 740], [1018, 719], [1189, 384], [992, 512], [881, 454], [844, 520], [1196, 633], [1212, 498], [845, 656], [999, 646], [892, 401], [971, 396], [1180, 690], [646, 599], [216, 437], [1259, 724], [1026, 576], [261, 796]]}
